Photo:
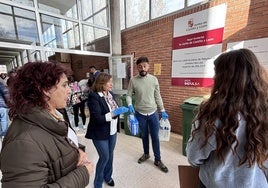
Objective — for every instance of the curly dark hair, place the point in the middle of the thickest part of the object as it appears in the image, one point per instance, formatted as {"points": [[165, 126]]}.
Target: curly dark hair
{"points": [[240, 87], [32, 79]]}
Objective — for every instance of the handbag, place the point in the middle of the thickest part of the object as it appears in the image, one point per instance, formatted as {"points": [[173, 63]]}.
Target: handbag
{"points": [[133, 124], [164, 130]]}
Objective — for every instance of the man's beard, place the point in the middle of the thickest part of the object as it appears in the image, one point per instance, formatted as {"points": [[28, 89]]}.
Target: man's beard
{"points": [[143, 73]]}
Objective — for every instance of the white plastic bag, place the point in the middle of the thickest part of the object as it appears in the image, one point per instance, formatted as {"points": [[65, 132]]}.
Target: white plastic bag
{"points": [[164, 130], [133, 124]]}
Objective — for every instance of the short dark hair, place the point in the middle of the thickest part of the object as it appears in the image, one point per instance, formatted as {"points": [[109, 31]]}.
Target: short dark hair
{"points": [[142, 59], [92, 67]]}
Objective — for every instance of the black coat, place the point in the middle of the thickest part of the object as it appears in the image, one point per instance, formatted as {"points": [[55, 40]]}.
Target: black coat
{"points": [[98, 127]]}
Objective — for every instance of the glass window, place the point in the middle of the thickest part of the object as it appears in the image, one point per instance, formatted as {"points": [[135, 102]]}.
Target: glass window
{"points": [[67, 8], [24, 13], [88, 32], [95, 12], [20, 26], [162, 7], [59, 33], [100, 33], [192, 2], [70, 34], [27, 30], [87, 9], [122, 14], [137, 11], [7, 27], [51, 31], [101, 18], [5, 9], [90, 36], [24, 2], [72, 13], [98, 5]]}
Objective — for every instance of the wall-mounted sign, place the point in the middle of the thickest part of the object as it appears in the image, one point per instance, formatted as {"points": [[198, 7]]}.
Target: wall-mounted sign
{"points": [[197, 41], [258, 46], [157, 69]]}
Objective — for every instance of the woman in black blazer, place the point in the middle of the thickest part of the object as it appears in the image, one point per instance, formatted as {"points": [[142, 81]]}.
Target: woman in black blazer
{"points": [[102, 128]]}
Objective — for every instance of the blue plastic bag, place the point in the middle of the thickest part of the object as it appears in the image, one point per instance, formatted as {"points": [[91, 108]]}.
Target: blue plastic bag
{"points": [[133, 124]]}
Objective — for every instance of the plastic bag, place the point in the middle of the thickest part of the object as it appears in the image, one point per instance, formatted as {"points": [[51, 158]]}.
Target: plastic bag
{"points": [[164, 130], [133, 124]]}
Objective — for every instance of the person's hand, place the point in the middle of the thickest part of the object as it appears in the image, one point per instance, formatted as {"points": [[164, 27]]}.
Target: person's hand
{"points": [[131, 109], [90, 167], [164, 115], [82, 160], [120, 110]]}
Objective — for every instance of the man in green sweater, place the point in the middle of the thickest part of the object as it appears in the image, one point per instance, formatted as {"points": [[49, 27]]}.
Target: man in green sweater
{"points": [[145, 88]]}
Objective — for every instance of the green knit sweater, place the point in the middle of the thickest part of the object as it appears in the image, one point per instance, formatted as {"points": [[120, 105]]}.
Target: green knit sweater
{"points": [[146, 92]]}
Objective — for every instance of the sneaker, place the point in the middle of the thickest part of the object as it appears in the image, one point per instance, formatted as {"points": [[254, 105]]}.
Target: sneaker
{"points": [[143, 158], [161, 166]]}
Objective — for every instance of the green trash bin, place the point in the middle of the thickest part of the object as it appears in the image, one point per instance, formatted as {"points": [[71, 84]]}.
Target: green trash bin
{"points": [[189, 109], [124, 103]]}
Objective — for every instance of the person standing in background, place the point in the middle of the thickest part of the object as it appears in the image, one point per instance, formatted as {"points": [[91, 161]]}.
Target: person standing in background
{"points": [[229, 139], [78, 104], [94, 72], [4, 98], [40, 149], [102, 128], [145, 88], [11, 76]]}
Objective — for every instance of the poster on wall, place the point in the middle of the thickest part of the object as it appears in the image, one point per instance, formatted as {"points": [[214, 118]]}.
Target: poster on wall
{"points": [[258, 46], [197, 41]]}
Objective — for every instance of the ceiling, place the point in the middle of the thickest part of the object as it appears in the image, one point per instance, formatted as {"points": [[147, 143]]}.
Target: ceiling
{"points": [[7, 55]]}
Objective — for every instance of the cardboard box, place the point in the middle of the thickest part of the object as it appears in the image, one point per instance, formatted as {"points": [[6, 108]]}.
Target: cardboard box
{"points": [[188, 176]]}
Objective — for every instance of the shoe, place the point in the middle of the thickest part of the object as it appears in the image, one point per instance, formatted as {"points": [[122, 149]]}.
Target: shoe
{"points": [[143, 158], [161, 166], [110, 183], [84, 127], [76, 128]]}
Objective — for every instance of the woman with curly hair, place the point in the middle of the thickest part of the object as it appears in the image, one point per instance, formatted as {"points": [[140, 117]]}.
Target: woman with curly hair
{"points": [[40, 149], [229, 137]]}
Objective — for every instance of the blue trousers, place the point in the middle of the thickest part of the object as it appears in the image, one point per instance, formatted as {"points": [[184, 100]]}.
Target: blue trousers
{"points": [[3, 121], [150, 124], [104, 167]]}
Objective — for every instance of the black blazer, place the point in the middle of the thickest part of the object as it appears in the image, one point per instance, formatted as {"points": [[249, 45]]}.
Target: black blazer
{"points": [[98, 127]]}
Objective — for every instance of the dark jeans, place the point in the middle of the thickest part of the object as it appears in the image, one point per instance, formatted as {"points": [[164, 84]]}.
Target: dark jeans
{"points": [[104, 167], [150, 124], [80, 106]]}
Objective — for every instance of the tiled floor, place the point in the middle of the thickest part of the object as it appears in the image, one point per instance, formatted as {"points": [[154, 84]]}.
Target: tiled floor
{"points": [[128, 173]]}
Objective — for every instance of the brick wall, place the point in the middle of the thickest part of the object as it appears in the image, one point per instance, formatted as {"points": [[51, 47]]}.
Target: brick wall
{"points": [[245, 20], [80, 63]]}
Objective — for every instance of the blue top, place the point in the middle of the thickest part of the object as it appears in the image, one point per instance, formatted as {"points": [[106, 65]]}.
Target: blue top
{"points": [[217, 174]]}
